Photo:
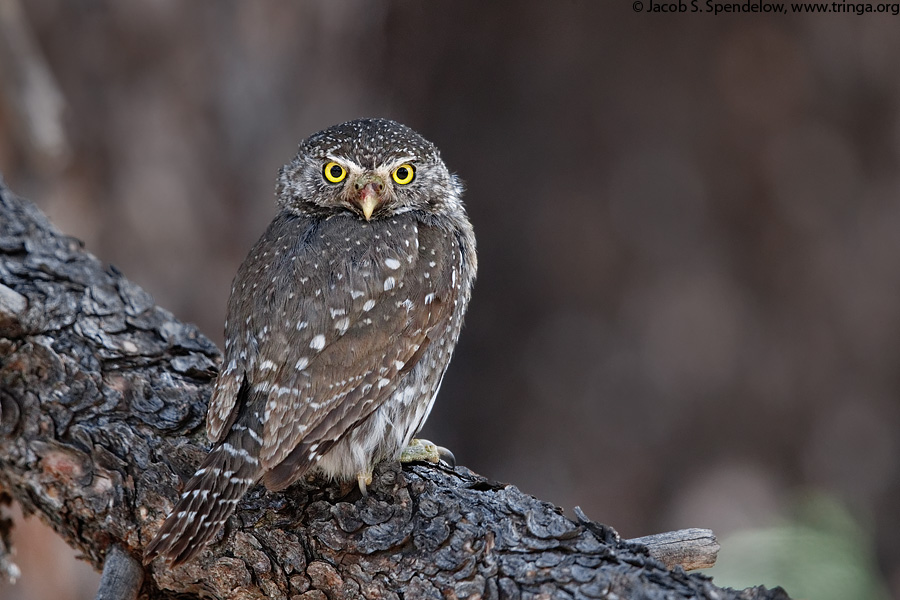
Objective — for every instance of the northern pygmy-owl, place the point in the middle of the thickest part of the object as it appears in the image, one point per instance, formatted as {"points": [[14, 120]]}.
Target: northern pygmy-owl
{"points": [[340, 325]]}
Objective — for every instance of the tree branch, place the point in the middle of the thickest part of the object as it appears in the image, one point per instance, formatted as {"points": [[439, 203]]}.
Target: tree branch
{"points": [[102, 403], [122, 576], [687, 548]]}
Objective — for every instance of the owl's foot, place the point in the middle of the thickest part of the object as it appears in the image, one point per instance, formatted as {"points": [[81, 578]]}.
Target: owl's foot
{"points": [[364, 478], [425, 451]]}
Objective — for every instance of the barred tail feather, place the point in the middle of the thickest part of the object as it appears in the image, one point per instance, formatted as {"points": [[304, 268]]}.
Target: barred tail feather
{"points": [[210, 497]]}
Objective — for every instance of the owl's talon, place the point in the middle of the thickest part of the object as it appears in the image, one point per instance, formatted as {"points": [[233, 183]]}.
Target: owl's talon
{"points": [[421, 451], [446, 456], [364, 478]]}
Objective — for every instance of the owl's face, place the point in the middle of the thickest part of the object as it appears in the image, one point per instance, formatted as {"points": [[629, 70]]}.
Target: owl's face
{"points": [[372, 168]]}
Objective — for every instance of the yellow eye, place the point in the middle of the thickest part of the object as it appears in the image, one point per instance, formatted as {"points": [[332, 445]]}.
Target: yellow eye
{"points": [[404, 174], [334, 172]]}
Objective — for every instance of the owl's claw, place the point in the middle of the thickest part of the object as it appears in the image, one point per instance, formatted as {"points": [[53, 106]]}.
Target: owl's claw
{"points": [[364, 478], [425, 451], [447, 456]]}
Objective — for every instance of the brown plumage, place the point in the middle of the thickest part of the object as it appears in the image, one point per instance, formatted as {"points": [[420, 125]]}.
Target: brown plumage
{"points": [[341, 323]]}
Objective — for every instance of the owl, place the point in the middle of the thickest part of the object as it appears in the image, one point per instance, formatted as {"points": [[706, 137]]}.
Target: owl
{"points": [[340, 324]]}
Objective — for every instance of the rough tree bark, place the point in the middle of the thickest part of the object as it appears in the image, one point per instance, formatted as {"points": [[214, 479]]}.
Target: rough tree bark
{"points": [[102, 402]]}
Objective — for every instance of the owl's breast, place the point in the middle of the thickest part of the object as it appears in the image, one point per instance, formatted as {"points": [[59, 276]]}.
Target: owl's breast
{"points": [[381, 245]]}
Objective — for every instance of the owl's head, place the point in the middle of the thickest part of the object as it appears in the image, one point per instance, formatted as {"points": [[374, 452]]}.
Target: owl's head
{"points": [[373, 168]]}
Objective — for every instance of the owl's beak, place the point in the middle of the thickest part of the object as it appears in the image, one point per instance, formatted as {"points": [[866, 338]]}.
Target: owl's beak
{"points": [[370, 195]]}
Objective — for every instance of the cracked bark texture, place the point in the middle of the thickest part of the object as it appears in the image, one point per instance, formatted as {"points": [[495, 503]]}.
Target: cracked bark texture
{"points": [[102, 405]]}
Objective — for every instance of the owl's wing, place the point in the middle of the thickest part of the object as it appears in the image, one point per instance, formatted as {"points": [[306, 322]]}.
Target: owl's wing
{"points": [[331, 327]]}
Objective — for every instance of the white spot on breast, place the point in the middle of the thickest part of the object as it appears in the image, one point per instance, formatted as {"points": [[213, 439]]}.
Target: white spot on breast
{"points": [[280, 390], [369, 305], [317, 342], [399, 364], [301, 363], [302, 325], [342, 324], [357, 294], [389, 283], [392, 263], [429, 298], [383, 382], [267, 365]]}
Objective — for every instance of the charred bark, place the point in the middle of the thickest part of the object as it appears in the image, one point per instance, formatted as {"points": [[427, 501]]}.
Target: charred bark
{"points": [[102, 404]]}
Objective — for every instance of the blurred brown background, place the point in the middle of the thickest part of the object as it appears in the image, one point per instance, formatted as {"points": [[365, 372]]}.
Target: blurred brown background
{"points": [[688, 308]]}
